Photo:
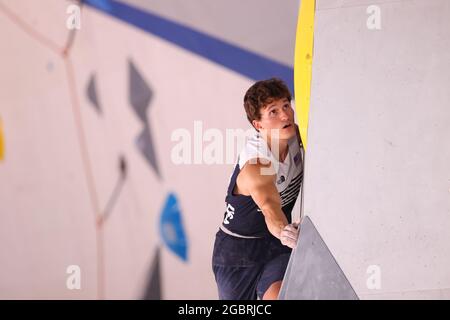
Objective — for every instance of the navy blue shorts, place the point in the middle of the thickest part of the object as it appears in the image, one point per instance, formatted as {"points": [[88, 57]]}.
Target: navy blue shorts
{"points": [[245, 268]]}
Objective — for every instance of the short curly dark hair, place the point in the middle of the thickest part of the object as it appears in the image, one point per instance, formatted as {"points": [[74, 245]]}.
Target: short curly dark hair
{"points": [[263, 92]]}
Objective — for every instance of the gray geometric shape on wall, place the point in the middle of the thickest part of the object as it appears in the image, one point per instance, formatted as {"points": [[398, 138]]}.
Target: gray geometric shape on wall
{"points": [[153, 290], [140, 95], [313, 273], [92, 93], [144, 142], [139, 92]]}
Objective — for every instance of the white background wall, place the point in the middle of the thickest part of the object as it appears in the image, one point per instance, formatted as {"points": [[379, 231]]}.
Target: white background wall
{"points": [[61, 155]]}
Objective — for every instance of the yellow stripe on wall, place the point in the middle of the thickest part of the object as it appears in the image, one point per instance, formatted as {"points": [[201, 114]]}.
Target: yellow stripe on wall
{"points": [[2, 142], [303, 64]]}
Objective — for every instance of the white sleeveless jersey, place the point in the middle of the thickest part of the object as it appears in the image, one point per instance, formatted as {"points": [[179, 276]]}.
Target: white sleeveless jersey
{"points": [[257, 147], [242, 216]]}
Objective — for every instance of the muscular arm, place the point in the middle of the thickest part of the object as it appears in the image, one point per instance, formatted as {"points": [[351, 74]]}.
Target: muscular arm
{"points": [[261, 188]]}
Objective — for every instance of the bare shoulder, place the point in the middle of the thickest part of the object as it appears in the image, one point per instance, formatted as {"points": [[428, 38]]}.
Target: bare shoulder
{"points": [[255, 173]]}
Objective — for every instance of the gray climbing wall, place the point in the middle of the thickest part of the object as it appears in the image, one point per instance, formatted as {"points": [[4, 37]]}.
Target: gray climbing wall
{"points": [[377, 177], [313, 273]]}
